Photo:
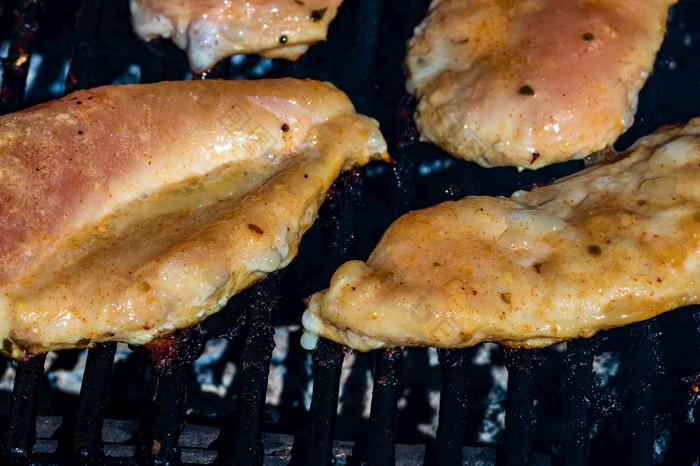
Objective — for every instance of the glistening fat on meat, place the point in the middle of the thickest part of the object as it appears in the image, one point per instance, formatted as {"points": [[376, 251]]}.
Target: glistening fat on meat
{"points": [[212, 30], [614, 244], [532, 82], [130, 211]]}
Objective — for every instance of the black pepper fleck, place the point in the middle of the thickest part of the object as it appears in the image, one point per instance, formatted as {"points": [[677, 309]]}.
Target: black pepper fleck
{"points": [[594, 250], [526, 90], [255, 228], [588, 37], [285, 127], [317, 15], [283, 39]]}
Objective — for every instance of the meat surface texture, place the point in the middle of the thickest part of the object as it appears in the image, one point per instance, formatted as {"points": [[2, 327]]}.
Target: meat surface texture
{"points": [[130, 211], [210, 30], [532, 82], [613, 244]]}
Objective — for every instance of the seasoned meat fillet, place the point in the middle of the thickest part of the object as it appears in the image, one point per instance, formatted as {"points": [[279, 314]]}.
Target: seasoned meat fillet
{"points": [[130, 211], [209, 30], [532, 82], [614, 244]]}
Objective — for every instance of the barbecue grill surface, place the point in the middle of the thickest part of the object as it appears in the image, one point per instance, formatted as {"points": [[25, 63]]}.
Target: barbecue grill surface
{"points": [[628, 396]]}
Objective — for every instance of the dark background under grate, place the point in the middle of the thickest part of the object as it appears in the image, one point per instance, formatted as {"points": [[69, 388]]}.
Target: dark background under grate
{"points": [[627, 396]]}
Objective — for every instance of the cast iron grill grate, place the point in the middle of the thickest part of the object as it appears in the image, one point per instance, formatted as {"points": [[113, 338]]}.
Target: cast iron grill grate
{"points": [[558, 409]]}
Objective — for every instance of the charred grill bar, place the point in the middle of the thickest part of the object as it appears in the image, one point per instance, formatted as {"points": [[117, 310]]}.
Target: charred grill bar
{"points": [[363, 56], [578, 367]]}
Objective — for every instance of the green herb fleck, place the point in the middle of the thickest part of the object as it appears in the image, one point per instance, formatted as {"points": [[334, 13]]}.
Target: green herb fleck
{"points": [[83, 343], [506, 297], [7, 345], [437, 264]]}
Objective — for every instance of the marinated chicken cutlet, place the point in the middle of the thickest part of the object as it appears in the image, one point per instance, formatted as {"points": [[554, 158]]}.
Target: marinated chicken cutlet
{"points": [[210, 30], [131, 211], [533, 82], [614, 244]]}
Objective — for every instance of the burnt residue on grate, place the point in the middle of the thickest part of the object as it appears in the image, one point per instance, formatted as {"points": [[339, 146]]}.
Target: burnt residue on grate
{"points": [[630, 394]]}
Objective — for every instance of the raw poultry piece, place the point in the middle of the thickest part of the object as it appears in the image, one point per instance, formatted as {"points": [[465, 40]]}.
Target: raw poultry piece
{"points": [[614, 244], [210, 30], [532, 82], [130, 211]]}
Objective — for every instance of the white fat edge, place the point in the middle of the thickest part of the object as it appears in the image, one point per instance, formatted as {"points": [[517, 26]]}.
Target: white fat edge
{"points": [[673, 154], [526, 227], [271, 259], [148, 24], [202, 44]]}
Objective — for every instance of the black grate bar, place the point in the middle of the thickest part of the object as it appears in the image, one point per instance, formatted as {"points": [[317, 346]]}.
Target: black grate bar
{"points": [[21, 434], [520, 414], [167, 419], [83, 71], [383, 414], [248, 446], [403, 164], [578, 370], [16, 66], [643, 353], [342, 201], [360, 67], [327, 364], [87, 436], [453, 404], [341, 204], [171, 357]]}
